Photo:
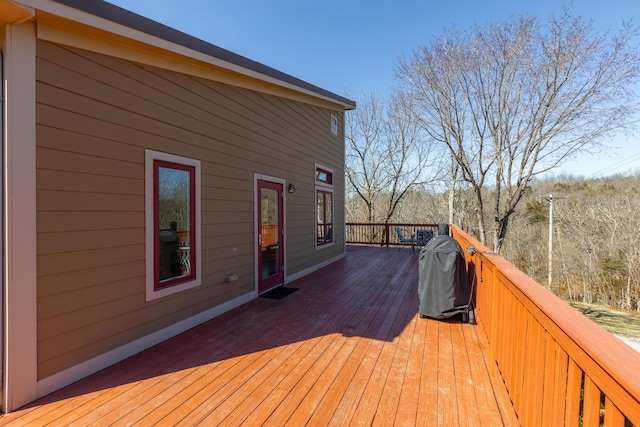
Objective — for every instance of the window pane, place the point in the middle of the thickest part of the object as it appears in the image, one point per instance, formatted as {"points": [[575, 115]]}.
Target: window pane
{"points": [[320, 227], [324, 176], [269, 218], [174, 222], [325, 219]]}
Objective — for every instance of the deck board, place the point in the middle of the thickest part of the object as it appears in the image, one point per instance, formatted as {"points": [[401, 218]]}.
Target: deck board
{"points": [[348, 348]]}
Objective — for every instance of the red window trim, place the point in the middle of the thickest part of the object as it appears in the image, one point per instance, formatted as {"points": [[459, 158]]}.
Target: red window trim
{"points": [[328, 173], [157, 164]]}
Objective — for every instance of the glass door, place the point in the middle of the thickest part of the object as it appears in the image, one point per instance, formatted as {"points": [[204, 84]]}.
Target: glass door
{"points": [[270, 235]]}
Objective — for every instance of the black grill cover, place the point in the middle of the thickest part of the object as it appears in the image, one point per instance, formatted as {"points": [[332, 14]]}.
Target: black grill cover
{"points": [[443, 288]]}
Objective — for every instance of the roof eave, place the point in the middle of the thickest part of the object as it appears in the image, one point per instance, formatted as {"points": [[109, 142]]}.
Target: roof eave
{"points": [[223, 58]]}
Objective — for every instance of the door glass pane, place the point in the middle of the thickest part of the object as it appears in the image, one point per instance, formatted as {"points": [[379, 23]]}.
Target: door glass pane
{"points": [[321, 223], [270, 238], [174, 215], [325, 217]]}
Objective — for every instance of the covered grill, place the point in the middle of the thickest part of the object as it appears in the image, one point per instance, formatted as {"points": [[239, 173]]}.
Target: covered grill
{"points": [[443, 288]]}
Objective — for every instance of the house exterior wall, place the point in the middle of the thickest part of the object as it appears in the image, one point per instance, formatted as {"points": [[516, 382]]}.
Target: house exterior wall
{"points": [[95, 116]]}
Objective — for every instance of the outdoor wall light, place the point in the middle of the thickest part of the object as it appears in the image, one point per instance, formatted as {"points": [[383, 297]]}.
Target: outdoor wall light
{"points": [[292, 188]]}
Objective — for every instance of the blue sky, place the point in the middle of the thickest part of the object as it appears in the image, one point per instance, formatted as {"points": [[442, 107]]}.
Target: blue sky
{"points": [[354, 45]]}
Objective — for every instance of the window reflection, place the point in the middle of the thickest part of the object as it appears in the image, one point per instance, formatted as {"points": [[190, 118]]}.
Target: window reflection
{"points": [[174, 222], [270, 239]]}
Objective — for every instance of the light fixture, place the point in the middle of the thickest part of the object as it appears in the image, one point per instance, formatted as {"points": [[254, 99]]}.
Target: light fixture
{"points": [[292, 188]]}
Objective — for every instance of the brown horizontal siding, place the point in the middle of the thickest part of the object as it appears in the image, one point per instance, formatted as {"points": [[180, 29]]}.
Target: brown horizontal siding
{"points": [[66, 262], [49, 161], [84, 182], [77, 241], [49, 200], [86, 220], [95, 117], [199, 114], [120, 281]]}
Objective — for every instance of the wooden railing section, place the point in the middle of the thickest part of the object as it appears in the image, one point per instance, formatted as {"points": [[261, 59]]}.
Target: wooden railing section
{"points": [[559, 368], [383, 233]]}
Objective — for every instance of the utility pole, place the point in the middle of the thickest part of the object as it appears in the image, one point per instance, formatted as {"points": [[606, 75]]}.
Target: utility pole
{"points": [[452, 189], [550, 266]]}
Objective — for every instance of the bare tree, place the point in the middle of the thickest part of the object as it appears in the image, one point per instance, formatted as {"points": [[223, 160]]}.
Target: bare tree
{"points": [[387, 155], [366, 152], [514, 100]]}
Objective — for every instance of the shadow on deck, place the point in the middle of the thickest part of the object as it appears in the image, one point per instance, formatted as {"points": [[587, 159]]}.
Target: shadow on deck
{"points": [[348, 347]]}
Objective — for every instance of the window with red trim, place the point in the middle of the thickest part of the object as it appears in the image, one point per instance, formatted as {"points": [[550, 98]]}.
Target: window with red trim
{"points": [[172, 224], [324, 176]]}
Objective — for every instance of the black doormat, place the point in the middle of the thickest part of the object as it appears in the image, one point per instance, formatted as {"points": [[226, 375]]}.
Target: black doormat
{"points": [[278, 293]]}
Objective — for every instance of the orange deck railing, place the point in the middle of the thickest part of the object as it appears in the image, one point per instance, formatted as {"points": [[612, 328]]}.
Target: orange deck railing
{"points": [[558, 367]]}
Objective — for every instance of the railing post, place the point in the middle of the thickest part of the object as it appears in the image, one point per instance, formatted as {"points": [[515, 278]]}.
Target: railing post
{"points": [[386, 233]]}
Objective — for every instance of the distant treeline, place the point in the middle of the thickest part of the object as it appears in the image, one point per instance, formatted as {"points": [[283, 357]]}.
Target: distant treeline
{"points": [[596, 233]]}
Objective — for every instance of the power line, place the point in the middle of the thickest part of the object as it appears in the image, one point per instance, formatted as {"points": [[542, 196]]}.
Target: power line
{"points": [[616, 166]]}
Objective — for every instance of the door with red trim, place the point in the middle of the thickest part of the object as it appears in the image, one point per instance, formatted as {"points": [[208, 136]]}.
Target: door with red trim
{"points": [[270, 235]]}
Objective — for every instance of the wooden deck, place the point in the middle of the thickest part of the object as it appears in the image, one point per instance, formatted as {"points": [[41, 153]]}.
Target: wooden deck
{"points": [[347, 348]]}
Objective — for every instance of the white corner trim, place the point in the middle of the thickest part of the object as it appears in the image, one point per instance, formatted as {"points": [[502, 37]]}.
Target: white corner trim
{"points": [[19, 217], [91, 366]]}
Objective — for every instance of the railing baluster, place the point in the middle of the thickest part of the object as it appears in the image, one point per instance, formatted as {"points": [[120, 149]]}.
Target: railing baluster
{"points": [[559, 386], [574, 385], [591, 405], [386, 233], [612, 415]]}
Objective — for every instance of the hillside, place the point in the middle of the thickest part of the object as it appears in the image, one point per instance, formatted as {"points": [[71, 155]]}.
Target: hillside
{"points": [[614, 321]]}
